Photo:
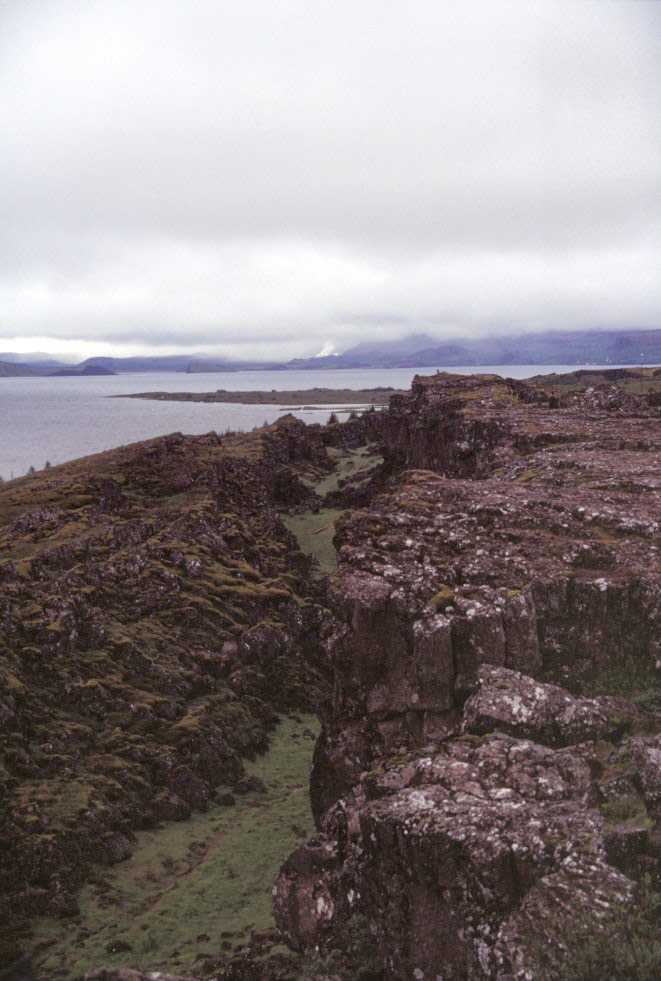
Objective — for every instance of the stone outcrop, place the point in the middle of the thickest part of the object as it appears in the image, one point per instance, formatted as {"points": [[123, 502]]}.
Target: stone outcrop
{"points": [[477, 805], [516, 704], [155, 617], [452, 856]]}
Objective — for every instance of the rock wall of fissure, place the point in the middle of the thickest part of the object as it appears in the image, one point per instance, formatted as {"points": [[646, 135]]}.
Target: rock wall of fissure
{"points": [[155, 617], [468, 786]]}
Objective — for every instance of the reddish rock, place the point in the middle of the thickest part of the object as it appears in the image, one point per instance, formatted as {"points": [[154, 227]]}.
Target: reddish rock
{"points": [[448, 856], [513, 703], [126, 974], [485, 821]]}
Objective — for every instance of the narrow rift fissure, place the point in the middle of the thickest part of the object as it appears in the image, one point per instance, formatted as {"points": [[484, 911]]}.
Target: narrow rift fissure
{"points": [[198, 888]]}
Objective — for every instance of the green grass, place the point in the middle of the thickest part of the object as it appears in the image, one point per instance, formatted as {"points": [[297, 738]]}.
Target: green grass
{"points": [[314, 530], [348, 464], [314, 533], [204, 877], [633, 678], [628, 809], [629, 951]]}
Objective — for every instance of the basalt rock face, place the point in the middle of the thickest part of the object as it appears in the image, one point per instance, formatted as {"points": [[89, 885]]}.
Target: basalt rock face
{"points": [[518, 705], [442, 576], [453, 423], [469, 861], [155, 617], [473, 806]]}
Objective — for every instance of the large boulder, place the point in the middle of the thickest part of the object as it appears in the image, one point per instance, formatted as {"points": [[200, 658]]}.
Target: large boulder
{"points": [[510, 702]]}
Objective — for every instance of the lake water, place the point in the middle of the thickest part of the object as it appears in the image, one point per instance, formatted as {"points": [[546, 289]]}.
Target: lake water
{"points": [[59, 419]]}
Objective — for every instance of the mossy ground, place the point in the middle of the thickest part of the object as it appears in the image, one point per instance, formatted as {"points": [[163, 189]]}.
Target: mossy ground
{"points": [[193, 885], [314, 530], [351, 463], [630, 952], [633, 380], [633, 678]]}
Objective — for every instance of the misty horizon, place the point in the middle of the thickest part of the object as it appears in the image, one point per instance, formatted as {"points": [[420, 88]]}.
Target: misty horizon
{"points": [[278, 181], [502, 348]]}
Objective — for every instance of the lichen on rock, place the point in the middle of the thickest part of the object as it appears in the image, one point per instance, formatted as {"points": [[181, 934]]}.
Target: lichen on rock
{"points": [[476, 802]]}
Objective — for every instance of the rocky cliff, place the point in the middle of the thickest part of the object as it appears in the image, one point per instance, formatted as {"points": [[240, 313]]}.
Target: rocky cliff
{"points": [[488, 781], [155, 617]]}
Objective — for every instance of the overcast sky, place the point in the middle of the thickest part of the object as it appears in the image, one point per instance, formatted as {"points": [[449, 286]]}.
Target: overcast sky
{"points": [[278, 177]]}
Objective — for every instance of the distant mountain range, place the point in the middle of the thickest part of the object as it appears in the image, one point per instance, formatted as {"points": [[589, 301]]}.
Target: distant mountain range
{"points": [[551, 347], [35, 363], [9, 370], [574, 347], [16, 365]]}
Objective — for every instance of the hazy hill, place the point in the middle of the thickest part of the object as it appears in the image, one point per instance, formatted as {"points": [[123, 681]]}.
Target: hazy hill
{"points": [[27, 358], [375, 351], [174, 362], [35, 363], [200, 365], [549, 347], [8, 370], [85, 370]]}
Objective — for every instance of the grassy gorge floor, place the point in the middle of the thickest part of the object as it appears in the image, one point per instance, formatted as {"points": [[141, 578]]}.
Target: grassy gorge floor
{"points": [[314, 530], [195, 890], [192, 888]]}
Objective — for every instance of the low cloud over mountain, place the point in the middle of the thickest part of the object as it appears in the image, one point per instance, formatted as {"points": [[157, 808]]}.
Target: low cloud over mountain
{"points": [[278, 179]]}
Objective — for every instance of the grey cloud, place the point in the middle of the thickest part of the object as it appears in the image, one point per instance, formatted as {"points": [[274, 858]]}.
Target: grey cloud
{"points": [[240, 175]]}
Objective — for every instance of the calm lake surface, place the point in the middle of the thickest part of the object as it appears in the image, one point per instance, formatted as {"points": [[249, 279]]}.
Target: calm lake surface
{"points": [[59, 419]]}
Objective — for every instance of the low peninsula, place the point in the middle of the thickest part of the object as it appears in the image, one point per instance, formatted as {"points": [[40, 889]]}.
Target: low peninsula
{"points": [[306, 396]]}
